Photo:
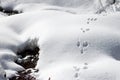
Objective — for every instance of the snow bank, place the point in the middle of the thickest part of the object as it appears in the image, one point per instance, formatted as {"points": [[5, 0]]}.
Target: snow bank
{"points": [[94, 6], [72, 46], [59, 50]]}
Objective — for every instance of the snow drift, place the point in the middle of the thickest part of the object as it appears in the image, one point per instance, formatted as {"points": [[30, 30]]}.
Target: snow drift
{"points": [[96, 6], [72, 46]]}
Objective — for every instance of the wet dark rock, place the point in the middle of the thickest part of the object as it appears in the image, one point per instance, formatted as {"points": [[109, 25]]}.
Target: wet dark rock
{"points": [[23, 75], [1, 9], [28, 62], [30, 47], [9, 12], [28, 55], [28, 51]]}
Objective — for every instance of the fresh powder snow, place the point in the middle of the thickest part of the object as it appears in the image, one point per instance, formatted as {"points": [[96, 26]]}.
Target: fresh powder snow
{"points": [[78, 39]]}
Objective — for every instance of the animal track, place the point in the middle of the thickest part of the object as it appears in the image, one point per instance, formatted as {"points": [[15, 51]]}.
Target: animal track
{"points": [[91, 19], [76, 75], [82, 51], [85, 63], [88, 22], [95, 19], [85, 66], [77, 70], [85, 30], [85, 44], [78, 43], [82, 46]]}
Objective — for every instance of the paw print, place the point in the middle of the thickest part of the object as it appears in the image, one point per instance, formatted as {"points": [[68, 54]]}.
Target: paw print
{"points": [[76, 75], [95, 19], [78, 44], [90, 20], [85, 44], [82, 46], [76, 68], [85, 30], [85, 66]]}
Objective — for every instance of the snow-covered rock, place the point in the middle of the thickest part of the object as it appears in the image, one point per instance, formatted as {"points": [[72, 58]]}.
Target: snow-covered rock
{"points": [[2, 74]]}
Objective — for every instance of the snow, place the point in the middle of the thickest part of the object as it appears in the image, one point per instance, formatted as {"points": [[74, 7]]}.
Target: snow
{"points": [[72, 46], [77, 6], [8, 65]]}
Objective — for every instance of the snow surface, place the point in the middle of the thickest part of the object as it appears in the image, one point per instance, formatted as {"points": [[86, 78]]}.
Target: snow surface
{"points": [[78, 6], [72, 46]]}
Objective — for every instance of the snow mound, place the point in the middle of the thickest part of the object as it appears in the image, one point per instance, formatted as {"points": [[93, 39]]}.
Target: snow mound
{"points": [[81, 6], [70, 42], [72, 46]]}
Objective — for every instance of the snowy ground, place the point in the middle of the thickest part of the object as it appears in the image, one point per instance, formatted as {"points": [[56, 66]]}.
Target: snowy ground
{"points": [[73, 46]]}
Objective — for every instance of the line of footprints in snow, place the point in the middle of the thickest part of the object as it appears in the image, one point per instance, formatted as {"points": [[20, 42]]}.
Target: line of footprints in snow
{"points": [[83, 45], [77, 70]]}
